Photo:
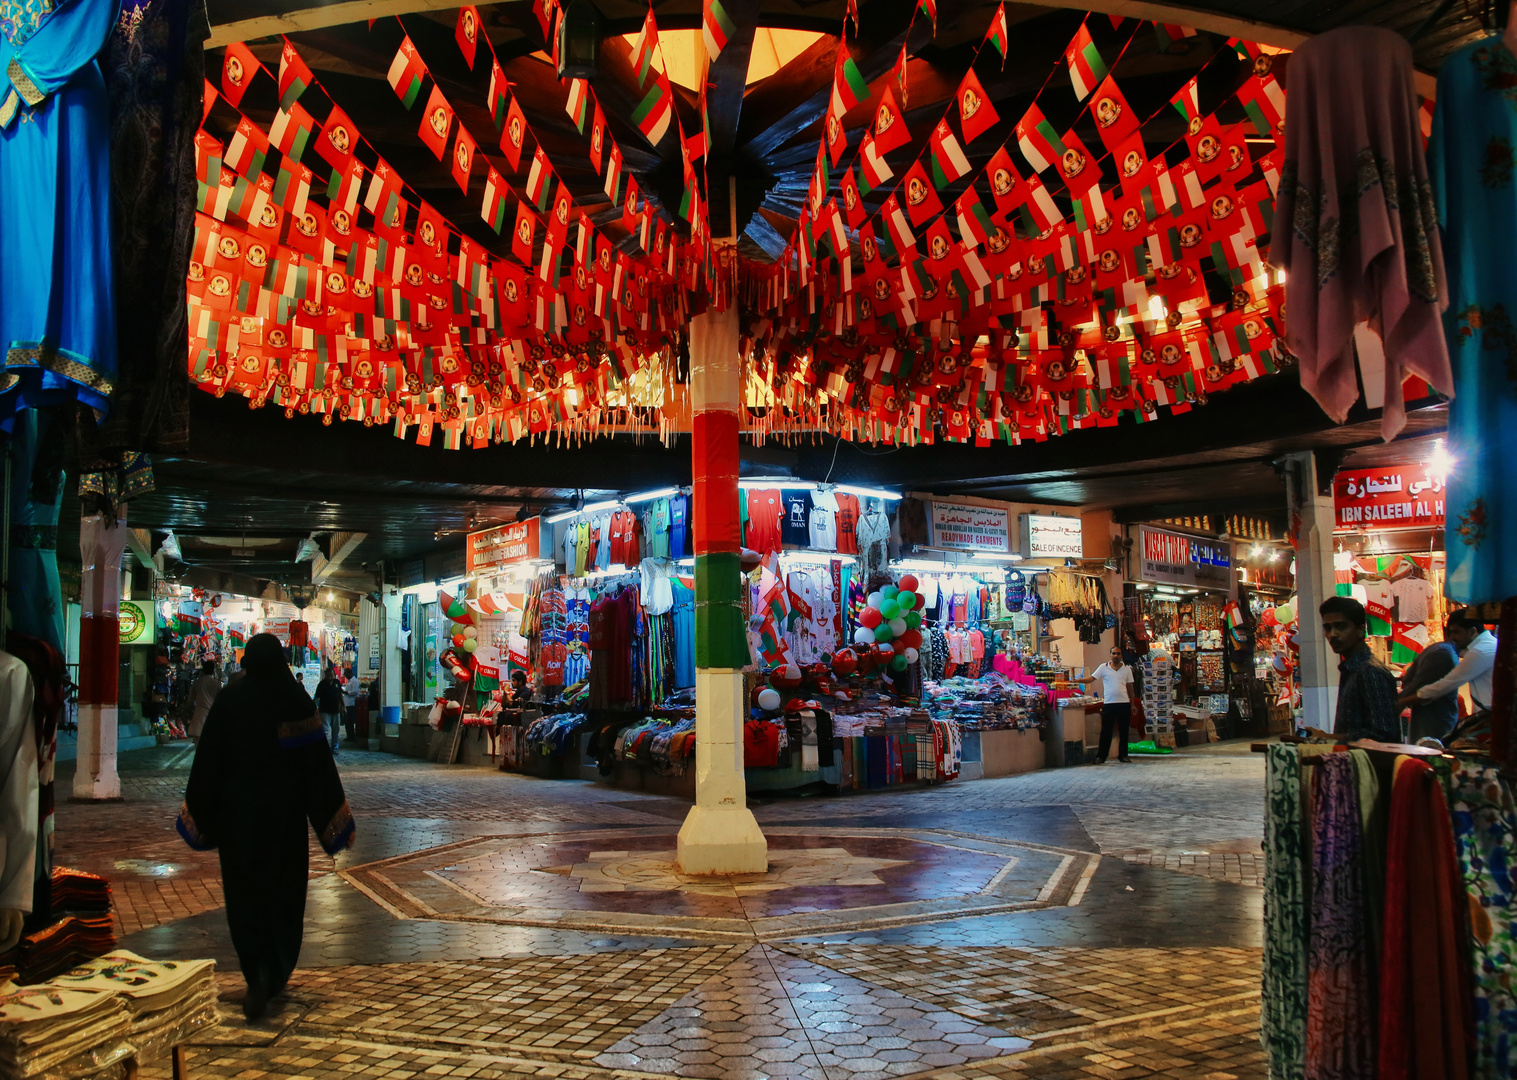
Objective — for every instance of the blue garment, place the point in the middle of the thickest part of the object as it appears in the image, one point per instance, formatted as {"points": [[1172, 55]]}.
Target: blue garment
{"points": [[58, 318], [684, 635], [678, 510], [1472, 159]]}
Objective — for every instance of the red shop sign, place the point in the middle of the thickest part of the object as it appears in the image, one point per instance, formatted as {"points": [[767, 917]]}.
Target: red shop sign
{"points": [[503, 545], [1395, 497]]}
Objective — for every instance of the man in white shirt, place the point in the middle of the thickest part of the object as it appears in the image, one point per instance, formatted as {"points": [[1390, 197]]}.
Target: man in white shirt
{"points": [[1116, 682], [1477, 659]]}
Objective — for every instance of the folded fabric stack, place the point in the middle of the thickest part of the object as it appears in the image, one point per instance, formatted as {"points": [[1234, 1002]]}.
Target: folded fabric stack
{"points": [[52, 1031], [75, 890], [169, 1000]]}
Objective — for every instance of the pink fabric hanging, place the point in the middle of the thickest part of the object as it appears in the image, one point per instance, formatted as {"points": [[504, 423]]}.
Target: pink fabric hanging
{"points": [[1355, 228]]}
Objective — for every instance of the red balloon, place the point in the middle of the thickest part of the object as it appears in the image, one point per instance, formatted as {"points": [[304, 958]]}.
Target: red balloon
{"points": [[458, 639], [908, 583], [870, 618], [899, 646], [912, 639], [921, 603], [884, 652], [845, 661]]}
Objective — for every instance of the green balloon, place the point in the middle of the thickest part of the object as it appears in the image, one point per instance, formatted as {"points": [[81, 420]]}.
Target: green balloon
{"points": [[890, 592], [898, 663], [906, 601], [882, 633], [913, 620], [469, 645], [889, 609]]}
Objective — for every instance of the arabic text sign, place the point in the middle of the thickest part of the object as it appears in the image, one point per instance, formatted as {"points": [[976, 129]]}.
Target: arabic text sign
{"points": [[954, 527], [1398, 497], [1177, 559], [503, 545], [1052, 537]]}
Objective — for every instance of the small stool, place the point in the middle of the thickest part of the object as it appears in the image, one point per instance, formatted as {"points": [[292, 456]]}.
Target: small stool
{"points": [[181, 1059]]}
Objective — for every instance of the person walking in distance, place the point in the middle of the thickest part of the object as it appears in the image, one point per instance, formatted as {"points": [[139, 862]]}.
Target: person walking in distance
{"points": [[329, 702], [1116, 681], [203, 696]]}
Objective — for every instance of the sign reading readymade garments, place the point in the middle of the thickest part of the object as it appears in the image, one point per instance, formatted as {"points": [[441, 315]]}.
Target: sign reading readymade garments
{"points": [[1176, 559], [956, 527]]}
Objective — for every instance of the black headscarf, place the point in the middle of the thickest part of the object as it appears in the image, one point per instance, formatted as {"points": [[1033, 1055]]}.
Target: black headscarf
{"points": [[268, 692]]}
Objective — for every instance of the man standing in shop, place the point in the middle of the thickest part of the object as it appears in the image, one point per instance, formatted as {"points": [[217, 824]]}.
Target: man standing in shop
{"points": [[1116, 681], [329, 702], [1367, 706], [1436, 717], [350, 691], [1477, 660]]}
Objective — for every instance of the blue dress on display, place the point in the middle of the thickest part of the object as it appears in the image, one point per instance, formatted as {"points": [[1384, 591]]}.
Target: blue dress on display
{"points": [[1472, 159], [57, 299]]}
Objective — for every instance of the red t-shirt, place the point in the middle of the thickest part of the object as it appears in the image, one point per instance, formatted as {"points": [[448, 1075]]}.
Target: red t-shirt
{"points": [[630, 526], [847, 523], [766, 509], [761, 744]]}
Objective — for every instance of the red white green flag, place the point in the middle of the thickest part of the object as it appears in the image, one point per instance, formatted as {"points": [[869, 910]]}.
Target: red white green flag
{"points": [[716, 27], [997, 34], [1038, 140], [872, 165], [294, 76], [654, 112], [539, 191], [1188, 104], [291, 131], [498, 96], [578, 106], [643, 48], [247, 149], [407, 72], [948, 160], [1086, 68], [493, 208], [848, 85]]}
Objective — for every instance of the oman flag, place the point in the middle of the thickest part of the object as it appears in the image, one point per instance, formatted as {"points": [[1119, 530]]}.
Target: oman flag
{"points": [[996, 34], [294, 76], [538, 181], [716, 27], [872, 164], [291, 131], [1036, 138], [653, 114], [498, 96], [948, 160], [901, 237], [578, 106], [248, 148], [848, 85], [493, 208], [643, 48], [1086, 68], [406, 73]]}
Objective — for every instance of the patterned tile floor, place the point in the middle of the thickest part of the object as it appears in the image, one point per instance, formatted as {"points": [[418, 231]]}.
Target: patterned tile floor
{"points": [[1079, 923]]}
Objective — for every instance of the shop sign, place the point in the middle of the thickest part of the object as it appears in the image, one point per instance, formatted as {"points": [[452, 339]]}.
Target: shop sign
{"points": [[1050, 536], [279, 626], [1398, 497], [1177, 559], [491, 549], [959, 527], [136, 625]]}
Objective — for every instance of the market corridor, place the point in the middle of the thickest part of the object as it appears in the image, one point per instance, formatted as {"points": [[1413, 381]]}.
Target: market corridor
{"points": [[1097, 921]]}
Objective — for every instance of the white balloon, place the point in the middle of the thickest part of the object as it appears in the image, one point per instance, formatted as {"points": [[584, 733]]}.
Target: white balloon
{"points": [[911, 656], [874, 600], [769, 698], [791, 672], [897, 627], [863, 636]]}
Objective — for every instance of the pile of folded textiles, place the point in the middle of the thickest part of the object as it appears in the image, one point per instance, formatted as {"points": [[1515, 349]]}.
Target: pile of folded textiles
{"points": [[77, 891], [66, 943], [168, 1000]]}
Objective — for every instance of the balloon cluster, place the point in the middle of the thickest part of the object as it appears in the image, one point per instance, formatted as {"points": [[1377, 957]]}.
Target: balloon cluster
{"points": [[890, 624], [464, 634]]}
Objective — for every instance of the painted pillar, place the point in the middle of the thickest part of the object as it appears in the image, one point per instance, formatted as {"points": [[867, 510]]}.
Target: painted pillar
{"points": [[720, 835], [100, 544], [1312, 516]]}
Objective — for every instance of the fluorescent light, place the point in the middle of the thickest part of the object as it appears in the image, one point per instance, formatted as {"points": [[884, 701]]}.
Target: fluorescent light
{"points": [[811, 557], [686, 562], [604, 504], [868, 493], [645, 496], [782, 482], [919, 564], [997, 556]]}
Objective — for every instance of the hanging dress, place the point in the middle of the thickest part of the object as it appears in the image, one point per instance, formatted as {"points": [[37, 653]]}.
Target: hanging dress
{"points": [[1472, 160], [58, 321]]}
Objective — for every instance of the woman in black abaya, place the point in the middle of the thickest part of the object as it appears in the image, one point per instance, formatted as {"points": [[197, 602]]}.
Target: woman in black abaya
{"points": [[262, 770]]}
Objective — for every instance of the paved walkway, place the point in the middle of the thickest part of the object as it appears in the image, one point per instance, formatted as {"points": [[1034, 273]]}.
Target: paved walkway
{"points": [[1089, 922]]}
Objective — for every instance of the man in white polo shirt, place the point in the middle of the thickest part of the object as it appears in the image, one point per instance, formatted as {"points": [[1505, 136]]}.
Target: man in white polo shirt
{"points": [[1116, 682]]}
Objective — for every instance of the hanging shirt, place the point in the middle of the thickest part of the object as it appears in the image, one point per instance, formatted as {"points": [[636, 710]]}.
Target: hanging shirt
{"points": [[656, 530], [847, 523], [571, 547], [658, 594], [765, 510], [874, 542], [1412, 596], [1378, 605], [824, 521], [684, 634], [581, 548], [796, 527], [600, 534], [632, 545], [679, 509]]}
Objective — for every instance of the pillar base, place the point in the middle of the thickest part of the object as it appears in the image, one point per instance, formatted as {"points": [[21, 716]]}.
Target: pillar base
{"points": [[726, 841]]}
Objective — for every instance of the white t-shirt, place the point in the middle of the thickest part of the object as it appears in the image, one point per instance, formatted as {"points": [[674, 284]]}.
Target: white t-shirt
{"points": [[823, 523], [1114, 683], [1379, 598], [1412, 596]]}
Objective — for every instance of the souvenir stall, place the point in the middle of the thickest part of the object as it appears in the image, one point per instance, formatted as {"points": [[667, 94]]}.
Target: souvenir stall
{"points": [[1389, 553], [1184, 601], [1261, 660]]}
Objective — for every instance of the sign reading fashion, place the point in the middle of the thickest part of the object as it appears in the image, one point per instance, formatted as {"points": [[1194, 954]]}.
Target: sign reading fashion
{"points": [[957, 527], [491, 549], [1050, 536], [1177, 559], [1398, 497]]}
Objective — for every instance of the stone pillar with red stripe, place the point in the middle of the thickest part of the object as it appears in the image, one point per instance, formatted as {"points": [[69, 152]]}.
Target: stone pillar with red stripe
{"points": [[720, 834], [100, 543]]}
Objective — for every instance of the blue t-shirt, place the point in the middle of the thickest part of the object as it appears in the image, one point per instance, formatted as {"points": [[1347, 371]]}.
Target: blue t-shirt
{"points": [[677, 510], [795, 524]]}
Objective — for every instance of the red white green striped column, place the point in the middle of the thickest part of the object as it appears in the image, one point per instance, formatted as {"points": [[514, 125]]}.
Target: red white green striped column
{"points": [[100, 543], [720, 835]]}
